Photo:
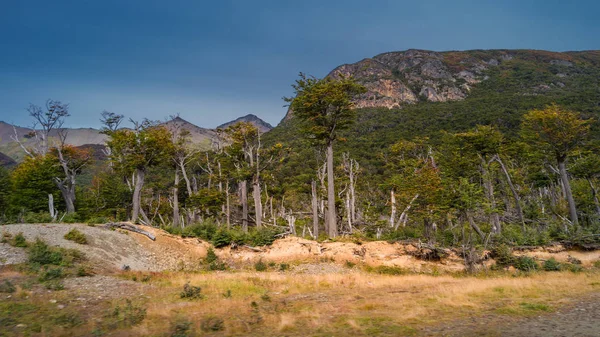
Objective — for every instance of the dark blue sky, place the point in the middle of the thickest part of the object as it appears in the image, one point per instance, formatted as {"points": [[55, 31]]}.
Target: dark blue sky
{"points": [[213, 61]]}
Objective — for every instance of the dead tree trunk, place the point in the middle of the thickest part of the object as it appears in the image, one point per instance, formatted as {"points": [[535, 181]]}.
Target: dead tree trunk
{"points": [[315, 209], [176, 199], [244, 202], [567, 190], [393, 213], [227, 209], [331, 214], [257, 204], [137, 194], [51, 206], [513, 191]]}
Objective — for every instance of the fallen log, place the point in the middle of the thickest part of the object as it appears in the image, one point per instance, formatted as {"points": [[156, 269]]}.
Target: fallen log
{"points": [[131, 228], [253, 248]]}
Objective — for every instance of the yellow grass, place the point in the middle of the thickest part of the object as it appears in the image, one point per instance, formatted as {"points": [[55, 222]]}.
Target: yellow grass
{"points": [[355, 304]]}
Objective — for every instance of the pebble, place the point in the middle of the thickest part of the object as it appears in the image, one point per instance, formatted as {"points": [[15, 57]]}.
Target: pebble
{"points": [[52, 301], [60, 306]]}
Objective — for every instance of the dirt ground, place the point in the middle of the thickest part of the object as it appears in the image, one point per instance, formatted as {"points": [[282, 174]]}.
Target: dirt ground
{"points": [[110, 250], [579, 318]]}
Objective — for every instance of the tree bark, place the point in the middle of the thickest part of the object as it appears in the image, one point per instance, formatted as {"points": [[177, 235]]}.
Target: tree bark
{"points": [[315, 209], [137, 194], [51, 206], [331, 214], [393, 204], [562, 168], [257, 203], [176, 199], [244, 202]]}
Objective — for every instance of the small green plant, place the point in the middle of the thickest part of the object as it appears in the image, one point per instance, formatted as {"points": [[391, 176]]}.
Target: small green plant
{"points": [[41, 253], [6, 237], [260, 266], [211, 256], [597, 264], [503, 255], [212, 324], [388, 270], [227, 294], [191, 292], [525, 263], [126, 316], [76, 236], [83, 272], [181, 328], [7, 287], [284, 267], [266, 298], [19, 240], [551, 265], [55, 285], [51, 274], [349, 264]]}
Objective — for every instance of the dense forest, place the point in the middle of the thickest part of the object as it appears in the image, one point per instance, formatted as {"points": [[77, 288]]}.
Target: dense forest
{"points": [[516, 162]]}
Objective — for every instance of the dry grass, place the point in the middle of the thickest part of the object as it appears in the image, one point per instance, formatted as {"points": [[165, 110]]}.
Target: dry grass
{"points": [[356, 303]]}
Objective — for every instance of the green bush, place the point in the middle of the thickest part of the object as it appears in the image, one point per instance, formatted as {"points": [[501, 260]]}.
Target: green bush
{"points": [[263, 237], [41, 217], [284, 267], [260, 265], [7, 287], [551, 265], [19, 240], [525, 263], [40, 253], [70, 218], [55, 285], [212, 324], [387, 270], [51, 274], [126, 316], [76, 236], [503, 256], [191, 292], [221, 238], [97, 220]]}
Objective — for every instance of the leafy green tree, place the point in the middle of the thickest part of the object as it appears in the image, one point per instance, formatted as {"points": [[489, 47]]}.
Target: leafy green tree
{"points": [[4, 191], [32, 182], [558, 132], [133, 151], [325, 107]]}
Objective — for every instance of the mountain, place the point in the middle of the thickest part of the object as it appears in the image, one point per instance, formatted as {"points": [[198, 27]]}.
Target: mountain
{"points": [[6, 161], [200, 137], [92, 138], [254, 120], [400, 79], [418, 93]]}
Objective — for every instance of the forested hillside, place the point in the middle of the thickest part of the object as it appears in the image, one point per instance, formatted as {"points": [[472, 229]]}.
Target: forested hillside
{"points": [[452, 148]]}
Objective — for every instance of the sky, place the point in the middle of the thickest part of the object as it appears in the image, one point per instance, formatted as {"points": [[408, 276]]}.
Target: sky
{"points": [[213, 61]]}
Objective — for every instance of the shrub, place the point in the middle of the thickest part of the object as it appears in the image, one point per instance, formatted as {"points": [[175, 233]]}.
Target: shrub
{"points": [[525, 263], [221, 238], [388, 270], [76, 236], [263, 237], [597, 264], [211, 324], [97, 220], [181, 328], [70, 218], [551, 265], [260, 265], [51, 274], [54, 285], [191, 292], [7, 287], [19, 240], [40, 253], [41, 217], [126, 316], [284, 267], [503, 255]]}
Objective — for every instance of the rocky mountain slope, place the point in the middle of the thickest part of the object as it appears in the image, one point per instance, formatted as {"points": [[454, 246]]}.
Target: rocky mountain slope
{"points": [[250, 118], [400, 79], [6, 161]]}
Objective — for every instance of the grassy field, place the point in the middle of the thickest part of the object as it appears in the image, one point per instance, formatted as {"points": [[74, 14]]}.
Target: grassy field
{"points": [[281, 303]]}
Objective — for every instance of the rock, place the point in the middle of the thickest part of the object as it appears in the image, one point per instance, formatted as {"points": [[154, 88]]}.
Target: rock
{"points": [[60, 306]]}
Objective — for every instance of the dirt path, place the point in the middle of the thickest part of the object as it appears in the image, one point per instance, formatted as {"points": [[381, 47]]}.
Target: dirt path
{"points": [[580, 318]]}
